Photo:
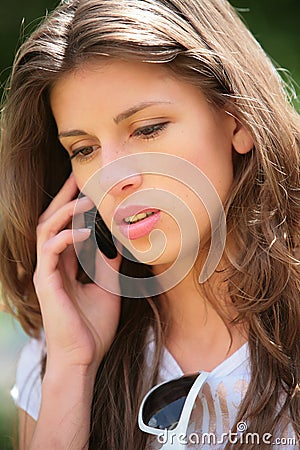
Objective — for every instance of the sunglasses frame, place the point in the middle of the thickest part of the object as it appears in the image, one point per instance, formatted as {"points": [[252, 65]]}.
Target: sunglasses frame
{"points": [[174, 436]]}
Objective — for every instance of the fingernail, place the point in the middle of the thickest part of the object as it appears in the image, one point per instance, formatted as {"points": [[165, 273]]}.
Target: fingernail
{"points": [[83, 230], [85, 199]]}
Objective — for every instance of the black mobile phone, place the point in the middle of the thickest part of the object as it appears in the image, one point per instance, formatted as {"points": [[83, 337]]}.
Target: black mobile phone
{"points": [[103, 235]]}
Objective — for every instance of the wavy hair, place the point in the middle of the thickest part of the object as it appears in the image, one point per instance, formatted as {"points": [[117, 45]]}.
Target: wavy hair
{"points": [[207, 44]]}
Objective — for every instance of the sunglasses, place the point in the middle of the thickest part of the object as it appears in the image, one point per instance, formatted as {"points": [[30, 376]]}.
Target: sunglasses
{"points": [[166, 409]]}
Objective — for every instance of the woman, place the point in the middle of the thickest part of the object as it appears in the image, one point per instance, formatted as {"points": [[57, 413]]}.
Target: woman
{"points": [[97, 84]]}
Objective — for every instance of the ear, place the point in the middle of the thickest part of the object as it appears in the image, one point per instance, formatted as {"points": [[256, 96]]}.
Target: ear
{"points": [[241, 140]]}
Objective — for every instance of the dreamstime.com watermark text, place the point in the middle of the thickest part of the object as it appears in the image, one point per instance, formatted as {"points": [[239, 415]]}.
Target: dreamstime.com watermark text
{"points": [[239, 437]]}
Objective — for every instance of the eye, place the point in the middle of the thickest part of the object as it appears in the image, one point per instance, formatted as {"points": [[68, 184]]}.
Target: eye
{"points": [[84, 152], [150, 131]]}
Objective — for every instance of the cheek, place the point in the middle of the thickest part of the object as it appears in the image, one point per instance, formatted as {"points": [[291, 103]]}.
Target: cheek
{"points": [[80, 183], [214, 160], [87, 184], [222, 180]]}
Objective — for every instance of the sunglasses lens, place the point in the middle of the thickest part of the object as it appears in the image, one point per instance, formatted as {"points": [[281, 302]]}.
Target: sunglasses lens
{"points": [[163, 407]]}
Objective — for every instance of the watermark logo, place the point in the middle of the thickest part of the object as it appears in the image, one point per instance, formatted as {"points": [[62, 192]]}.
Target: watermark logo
{"points": [[241, 436], [169, 202]]}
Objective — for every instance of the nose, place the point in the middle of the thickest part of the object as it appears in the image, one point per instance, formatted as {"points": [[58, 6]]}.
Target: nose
{"points": [[119, 178]]}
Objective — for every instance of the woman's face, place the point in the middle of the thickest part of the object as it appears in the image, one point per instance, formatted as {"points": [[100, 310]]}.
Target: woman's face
{"points": [[117, 109]]}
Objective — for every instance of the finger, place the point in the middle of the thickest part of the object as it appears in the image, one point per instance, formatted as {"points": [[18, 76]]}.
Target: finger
{"points": [[69, 261], [63, 215], [50, 282], [66, 193], [54, 247], [60, 219]]}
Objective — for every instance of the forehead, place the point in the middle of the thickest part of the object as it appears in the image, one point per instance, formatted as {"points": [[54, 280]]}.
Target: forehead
{"points": [[117, 84], [112, 71]]}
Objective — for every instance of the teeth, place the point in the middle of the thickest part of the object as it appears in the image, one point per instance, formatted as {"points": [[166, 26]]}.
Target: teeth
{"points": [[138, 217]]}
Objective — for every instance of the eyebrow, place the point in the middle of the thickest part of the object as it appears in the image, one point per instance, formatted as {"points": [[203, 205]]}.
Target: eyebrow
{"points": [[71, 133], [134, 109], [122, 116]]}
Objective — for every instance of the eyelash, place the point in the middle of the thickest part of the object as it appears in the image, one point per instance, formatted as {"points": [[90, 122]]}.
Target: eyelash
{"points": [[76, 154], [150, 131], [147, 132]]}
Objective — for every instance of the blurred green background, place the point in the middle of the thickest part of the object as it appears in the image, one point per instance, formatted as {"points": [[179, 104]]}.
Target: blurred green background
{"points": [[275, 24]]}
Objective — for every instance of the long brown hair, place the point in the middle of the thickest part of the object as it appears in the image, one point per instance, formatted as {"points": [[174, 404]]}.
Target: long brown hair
{"points": [[207, 44]]}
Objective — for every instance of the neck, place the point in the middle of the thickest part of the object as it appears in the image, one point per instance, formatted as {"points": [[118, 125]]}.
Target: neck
{"points": [[197, 336]]}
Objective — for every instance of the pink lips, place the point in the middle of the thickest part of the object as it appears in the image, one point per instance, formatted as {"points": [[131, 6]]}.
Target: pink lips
{"points": [[138, 229]]}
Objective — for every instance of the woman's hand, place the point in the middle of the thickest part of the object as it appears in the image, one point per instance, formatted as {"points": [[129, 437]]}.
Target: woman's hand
{"points": [[80, 320]]}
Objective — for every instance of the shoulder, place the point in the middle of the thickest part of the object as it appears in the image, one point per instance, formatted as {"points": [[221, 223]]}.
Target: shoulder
{"points": [[27, 389]]}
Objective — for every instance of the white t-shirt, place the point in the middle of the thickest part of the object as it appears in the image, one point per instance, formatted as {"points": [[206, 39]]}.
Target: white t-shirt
{"points": [[217, 404], [28, 386], [214, 411]]}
